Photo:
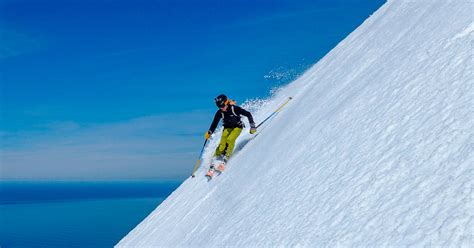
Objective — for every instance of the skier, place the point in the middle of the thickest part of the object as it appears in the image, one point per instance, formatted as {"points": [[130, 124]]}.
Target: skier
{"points": [[233, 125]]}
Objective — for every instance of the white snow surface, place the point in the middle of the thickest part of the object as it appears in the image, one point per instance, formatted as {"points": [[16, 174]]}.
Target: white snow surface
{"points": [[375, 149]]}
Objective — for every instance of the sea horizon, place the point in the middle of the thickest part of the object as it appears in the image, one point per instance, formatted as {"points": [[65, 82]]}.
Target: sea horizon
{"points": [[75, 214]]}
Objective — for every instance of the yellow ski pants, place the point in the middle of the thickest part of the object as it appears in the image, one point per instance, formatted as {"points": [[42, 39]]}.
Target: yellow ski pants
{"points": [[227, 143]]}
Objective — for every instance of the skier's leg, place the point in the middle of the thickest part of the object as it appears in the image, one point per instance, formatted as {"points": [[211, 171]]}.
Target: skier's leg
{"points": [[222, 144], [231, 140]]}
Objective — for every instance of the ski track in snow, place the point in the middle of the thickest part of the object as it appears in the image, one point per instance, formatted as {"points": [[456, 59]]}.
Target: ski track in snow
{"points": [[375, 149]]}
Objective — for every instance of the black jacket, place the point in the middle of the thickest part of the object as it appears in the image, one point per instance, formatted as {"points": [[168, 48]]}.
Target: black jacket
{"points": [[231, 118]]}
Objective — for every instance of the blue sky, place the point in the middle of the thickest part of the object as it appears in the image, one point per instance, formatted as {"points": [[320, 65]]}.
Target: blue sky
{"points": [[123, 89]]}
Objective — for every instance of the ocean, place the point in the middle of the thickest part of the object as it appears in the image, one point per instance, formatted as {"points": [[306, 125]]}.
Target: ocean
{"points": [[75, 214]]}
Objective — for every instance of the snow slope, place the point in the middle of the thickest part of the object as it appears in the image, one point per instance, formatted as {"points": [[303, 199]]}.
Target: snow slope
{"points": [[375, 149]]}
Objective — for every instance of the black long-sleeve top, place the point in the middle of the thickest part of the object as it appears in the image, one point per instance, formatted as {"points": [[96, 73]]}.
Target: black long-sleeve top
{"points": [[231, 118]]}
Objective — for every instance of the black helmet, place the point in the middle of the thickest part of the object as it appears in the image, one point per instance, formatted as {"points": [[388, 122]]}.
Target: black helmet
{"points": [[221, 101]]}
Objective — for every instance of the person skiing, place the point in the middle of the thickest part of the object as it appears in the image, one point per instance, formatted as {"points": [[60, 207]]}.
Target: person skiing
{"points": [[233, 125]]}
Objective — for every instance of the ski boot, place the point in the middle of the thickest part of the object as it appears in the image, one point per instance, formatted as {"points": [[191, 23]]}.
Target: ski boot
{"points": [[221, 163], [210, 172]]}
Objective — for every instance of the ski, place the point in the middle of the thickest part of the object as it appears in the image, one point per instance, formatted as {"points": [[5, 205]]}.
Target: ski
{"points": [[210, 173], [216, 168]]}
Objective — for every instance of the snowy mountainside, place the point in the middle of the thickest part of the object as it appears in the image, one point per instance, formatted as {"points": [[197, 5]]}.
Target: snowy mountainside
{"points": [[375, 149]]}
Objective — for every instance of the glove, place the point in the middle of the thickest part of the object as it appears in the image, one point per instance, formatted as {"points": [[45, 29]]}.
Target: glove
{"points": [[208, 134], [253, 129]]}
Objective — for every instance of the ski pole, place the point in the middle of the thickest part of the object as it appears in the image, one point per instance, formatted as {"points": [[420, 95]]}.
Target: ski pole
{"points": [[199, 160], [276, 111]]}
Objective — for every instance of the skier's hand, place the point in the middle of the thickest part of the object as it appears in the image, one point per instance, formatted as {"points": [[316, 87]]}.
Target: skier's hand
{"points": [[207, 135], [253, 130]]}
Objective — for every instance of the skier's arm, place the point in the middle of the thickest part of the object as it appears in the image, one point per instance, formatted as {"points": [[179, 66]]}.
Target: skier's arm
{"points": [[217, 118], [241, 111]]}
